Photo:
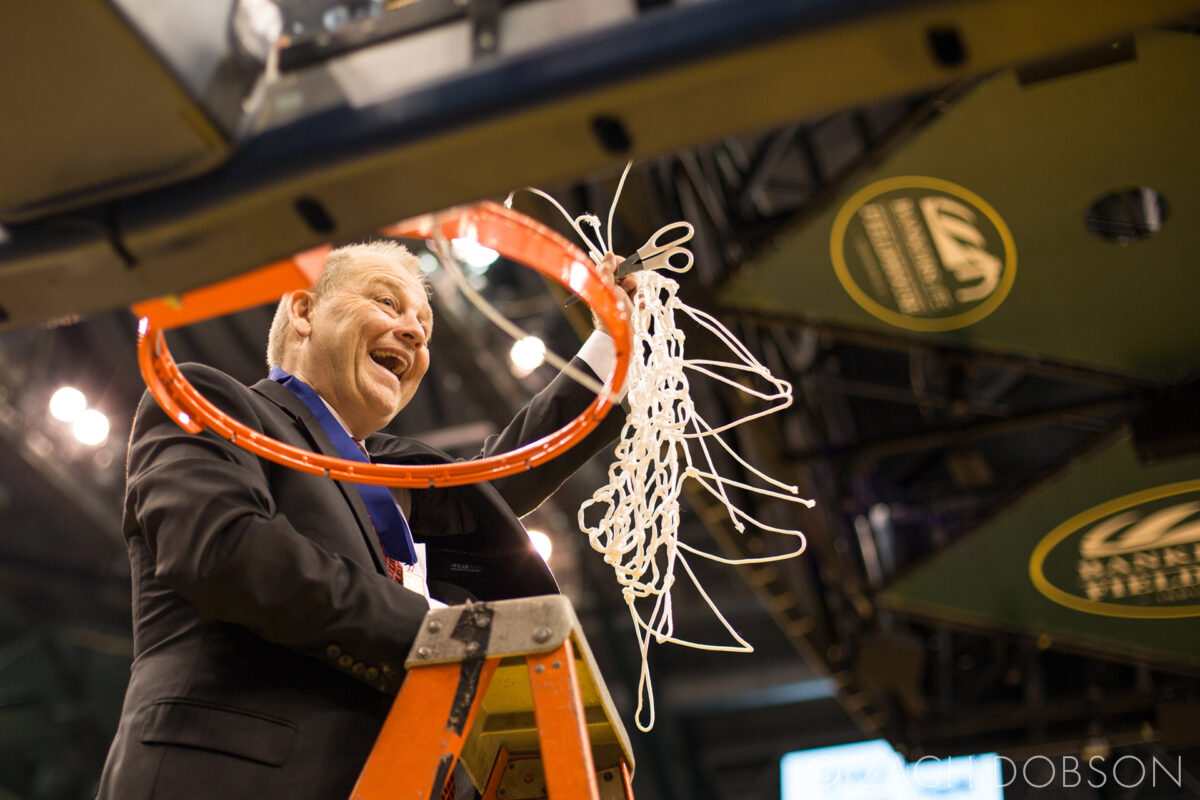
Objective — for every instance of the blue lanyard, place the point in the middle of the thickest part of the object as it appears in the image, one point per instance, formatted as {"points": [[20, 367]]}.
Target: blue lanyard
{"points": [[392, 529]]}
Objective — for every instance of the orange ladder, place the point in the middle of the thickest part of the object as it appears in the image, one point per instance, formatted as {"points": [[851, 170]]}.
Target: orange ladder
{"points": [[511, 689]]}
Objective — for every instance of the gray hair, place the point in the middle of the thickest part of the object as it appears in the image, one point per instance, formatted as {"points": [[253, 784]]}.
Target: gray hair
{"points": [[339, 264]]}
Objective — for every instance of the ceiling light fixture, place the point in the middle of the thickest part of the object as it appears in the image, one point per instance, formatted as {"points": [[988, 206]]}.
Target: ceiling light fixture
{"points": [[91, 427], [527, 355], [475, 256], [67, 404]]}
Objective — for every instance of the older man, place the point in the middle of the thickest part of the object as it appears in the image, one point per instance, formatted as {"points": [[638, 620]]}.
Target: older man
{"points": [[273, 609]]}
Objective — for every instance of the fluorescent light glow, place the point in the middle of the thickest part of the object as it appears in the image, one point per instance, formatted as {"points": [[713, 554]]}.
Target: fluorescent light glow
{"points": [[527, 355], [541, 543], [91, 427], [475, 256], [67, 404], [429, 262]]}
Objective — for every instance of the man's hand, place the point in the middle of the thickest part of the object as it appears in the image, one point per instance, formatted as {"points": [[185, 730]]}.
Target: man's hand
{"points": [[608, 271]]}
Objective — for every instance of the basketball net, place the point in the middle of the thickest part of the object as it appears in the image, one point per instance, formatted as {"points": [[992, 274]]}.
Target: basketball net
{"points": [[665, 442]]}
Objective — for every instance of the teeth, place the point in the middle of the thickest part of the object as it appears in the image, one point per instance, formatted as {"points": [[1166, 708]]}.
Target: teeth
{"points": [[394, 363]]}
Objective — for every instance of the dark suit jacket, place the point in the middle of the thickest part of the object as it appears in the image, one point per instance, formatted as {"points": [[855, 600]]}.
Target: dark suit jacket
{"points": [[268, 642]]}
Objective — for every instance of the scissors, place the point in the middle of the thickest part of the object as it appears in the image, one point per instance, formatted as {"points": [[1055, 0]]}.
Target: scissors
{"points": [[656, 254]]}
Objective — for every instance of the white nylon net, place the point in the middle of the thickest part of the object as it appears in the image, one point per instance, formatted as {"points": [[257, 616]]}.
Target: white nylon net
{"points": [[665, 441]]}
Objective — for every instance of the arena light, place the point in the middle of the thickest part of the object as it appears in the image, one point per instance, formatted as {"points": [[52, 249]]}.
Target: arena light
{"points": [[429, 262], [67, 404], [541, 543], [90, 427], [527, 355], [476, 257]]}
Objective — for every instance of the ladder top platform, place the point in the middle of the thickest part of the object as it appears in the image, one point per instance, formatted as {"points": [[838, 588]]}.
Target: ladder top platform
{"points": [[509, 630]]}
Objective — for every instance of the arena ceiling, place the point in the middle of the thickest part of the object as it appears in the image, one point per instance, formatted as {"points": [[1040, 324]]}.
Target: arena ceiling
{"points": [[953, 439]]}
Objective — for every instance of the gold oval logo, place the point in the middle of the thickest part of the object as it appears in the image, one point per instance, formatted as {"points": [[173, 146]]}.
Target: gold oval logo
{"points": [[1137, 556], [923, 254]]}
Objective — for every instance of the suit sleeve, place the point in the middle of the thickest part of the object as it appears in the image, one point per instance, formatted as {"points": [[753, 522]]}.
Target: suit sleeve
{"points": [[556, 405], [218, 539]]}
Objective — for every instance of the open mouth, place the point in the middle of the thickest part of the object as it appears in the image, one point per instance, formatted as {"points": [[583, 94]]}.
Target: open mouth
{"points": [[390, 361]]}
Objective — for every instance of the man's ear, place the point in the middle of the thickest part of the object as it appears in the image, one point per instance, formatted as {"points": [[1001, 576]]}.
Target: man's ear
{"points": [[300, 306]]}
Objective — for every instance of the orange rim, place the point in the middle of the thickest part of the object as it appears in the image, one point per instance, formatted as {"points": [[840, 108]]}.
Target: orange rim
{"points": [[514, 236]]}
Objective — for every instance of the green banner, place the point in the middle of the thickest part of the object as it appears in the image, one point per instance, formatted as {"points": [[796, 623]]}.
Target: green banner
{"points": [[927, 244], [1106, 558]]}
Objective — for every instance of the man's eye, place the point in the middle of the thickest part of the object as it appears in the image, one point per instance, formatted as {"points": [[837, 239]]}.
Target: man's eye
{"points": [[387, 301]]}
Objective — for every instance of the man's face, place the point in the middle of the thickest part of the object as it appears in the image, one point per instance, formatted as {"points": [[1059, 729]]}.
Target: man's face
{"points": [[364, 346]]}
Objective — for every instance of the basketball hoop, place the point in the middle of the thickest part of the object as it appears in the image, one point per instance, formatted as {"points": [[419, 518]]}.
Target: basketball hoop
{"points": [[510, 233]]}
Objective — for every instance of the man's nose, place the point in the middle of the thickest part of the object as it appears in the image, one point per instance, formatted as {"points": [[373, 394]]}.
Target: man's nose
{"points": [[409, 327]]}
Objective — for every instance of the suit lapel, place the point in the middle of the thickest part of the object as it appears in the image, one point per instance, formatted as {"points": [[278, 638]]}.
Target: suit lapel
{"points": [[282, 397]]}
